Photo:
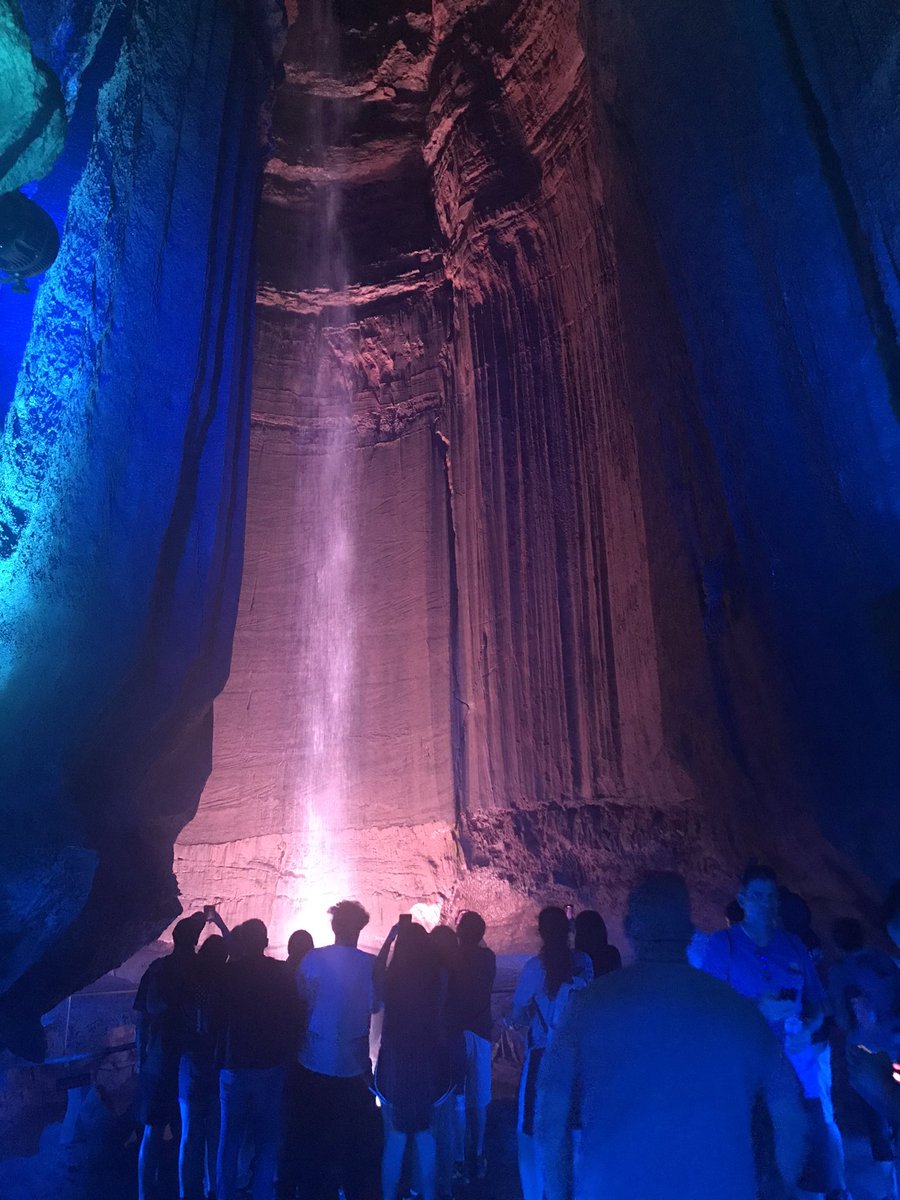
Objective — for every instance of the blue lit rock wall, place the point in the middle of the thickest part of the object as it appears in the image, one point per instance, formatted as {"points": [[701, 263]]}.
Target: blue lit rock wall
{"points": [[123, 482], [766, 139], [32, 112]]}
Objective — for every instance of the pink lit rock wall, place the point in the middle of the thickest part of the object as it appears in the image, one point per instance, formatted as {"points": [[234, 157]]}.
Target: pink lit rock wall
{"points": [[555, 677]]}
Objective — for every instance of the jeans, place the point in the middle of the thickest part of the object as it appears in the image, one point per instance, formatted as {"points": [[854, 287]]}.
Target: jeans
{"points": [[340, 1136], [251, 1104], [198, 1098]]}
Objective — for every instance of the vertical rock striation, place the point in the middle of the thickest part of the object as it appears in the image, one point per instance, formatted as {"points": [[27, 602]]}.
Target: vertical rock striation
{"points": [[766, 138], [562, 670]]}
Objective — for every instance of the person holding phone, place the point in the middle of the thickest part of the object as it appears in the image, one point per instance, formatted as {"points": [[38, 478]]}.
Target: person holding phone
{"points": [[772, 967], [413, 1076]]}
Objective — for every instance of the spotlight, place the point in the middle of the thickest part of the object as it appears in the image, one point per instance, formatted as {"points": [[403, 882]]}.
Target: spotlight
{"points": [[29, 241]]}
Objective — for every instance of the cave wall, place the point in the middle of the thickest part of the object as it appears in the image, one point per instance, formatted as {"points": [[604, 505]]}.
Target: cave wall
{"points": [[334, 779], [569, 660], [575, 382], [766, 141], [620, 708], [123, 483]]}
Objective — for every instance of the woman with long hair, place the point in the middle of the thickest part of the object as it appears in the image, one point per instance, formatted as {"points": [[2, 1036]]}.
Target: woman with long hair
{"points": [[413, 1075], [543, 990], [592, 939]]}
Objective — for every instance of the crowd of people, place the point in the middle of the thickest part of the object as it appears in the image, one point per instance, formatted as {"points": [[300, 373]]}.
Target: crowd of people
{"points": [[703, 1069]]}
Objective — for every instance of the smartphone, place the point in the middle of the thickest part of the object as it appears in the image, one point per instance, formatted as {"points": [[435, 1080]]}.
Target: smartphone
{"points": [[404, 919], [570, 911], [209, 911]]}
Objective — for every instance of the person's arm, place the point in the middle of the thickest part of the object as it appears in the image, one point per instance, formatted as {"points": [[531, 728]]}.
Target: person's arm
{"points": [[716, 956], [781, 1095], [490, 970], [558, 1101], [523, 996], [215, 918], [812, 1011], [140, 1024], [294, 1015], [379, 969], [838, 994]]}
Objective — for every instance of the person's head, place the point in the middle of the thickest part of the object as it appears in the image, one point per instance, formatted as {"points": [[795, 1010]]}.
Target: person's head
{"points": [[299, 945], [446, 945], [213, 952], [254, 938], [734, 914], [187, 932], [794, 913], [413, 951], [590, 932], [470, 929], [847, 934], [890, 913], [348, 920], [759, 896], [556, 957], [658, 917], [236, 942], [553, 925]]}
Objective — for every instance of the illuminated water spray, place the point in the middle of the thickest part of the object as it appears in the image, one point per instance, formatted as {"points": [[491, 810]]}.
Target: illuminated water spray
{"points": [[318, 857]]}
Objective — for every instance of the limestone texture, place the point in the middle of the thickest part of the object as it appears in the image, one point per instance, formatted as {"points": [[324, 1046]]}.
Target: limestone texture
{"points": [[32, 109], [122, 489], [565, 648], [570, 476]]}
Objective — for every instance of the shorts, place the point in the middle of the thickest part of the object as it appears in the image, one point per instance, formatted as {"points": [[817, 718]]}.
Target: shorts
{"points": [[528, 1090], [157, 1098], [404, 1118], [198, 1080], [477, 1086]]}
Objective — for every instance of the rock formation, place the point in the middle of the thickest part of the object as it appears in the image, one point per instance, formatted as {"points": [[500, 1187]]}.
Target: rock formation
{"points": [[571, 504], [123, 484], [33, 114], [565, 660]]}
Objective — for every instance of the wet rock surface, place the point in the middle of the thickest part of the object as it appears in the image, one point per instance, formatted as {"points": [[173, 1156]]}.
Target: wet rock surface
{"points": [[566, 664], [570, 479]]}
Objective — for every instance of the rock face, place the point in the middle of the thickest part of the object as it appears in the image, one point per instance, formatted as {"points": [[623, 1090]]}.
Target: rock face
{"points": [[506, 634], [31, 106], [573, 460], [123, 486]]}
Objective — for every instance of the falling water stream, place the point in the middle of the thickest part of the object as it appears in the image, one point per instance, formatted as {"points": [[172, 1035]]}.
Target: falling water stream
{"points": [[327, 657]]}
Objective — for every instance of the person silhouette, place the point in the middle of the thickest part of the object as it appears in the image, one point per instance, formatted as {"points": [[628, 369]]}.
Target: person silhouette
{"points": [[259, 1034], [162, 1003], [339, 1142], [662, 1067]]}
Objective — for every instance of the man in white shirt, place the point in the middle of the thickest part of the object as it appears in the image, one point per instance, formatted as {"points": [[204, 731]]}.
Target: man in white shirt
{"points": [[340, 1144]]}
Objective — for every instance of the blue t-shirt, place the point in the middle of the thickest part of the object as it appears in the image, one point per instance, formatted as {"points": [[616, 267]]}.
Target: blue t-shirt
{"points": [[758, 971]]}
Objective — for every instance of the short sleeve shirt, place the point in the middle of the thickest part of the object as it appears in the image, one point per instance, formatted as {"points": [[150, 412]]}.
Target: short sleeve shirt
{"points": [[336, 984], [531, 996], [758, 971]]}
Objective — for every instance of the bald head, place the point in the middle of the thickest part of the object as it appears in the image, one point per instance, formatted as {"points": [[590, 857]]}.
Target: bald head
{"points": [[658, 920]]}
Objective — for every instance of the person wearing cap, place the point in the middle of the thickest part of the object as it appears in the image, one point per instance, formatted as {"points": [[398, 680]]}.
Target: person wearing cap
{"points": [[162, 1003], [662, 1067]]}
